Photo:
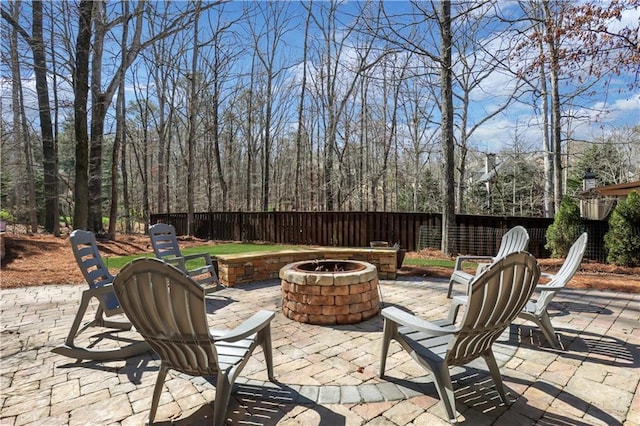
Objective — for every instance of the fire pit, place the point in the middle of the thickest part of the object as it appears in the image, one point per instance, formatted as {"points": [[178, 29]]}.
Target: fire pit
{"points": [[328, 292]]}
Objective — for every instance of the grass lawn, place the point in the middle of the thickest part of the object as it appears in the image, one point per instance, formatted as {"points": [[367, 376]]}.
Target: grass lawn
{"points": [[440, 263], [117, 262]]}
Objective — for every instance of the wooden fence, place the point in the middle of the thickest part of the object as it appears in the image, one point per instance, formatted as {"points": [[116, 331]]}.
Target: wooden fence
{"points": [[478, 235]]}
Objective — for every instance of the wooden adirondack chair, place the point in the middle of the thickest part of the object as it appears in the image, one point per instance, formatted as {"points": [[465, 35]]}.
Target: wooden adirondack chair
{"points": [[515, 239], [85, 250], [166, 248], [168, 309], [536, 310], [496, 296]]}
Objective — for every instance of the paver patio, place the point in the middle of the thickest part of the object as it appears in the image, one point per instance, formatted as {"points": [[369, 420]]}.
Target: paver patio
{"points": [[328, 375]]}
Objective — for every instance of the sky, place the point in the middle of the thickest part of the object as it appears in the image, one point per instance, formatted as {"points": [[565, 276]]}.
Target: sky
{"points": [[615, 107]]}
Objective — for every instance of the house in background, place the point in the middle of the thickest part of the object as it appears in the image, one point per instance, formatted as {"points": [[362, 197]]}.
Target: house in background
{"points": [[596, 203]]}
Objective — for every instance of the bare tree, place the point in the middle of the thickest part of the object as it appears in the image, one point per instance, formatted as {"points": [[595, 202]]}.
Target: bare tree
{"points": [[81, 96], [479, 57], [222, 51], [552, 38], [119, 141], [336, 80], [301, 130], [275, 23], [49, 149], [412, 37], [193, 104], [20, 128], [101, 98]]}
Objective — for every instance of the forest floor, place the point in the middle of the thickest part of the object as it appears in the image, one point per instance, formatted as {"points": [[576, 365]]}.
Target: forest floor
{"points": [[41, 259]]}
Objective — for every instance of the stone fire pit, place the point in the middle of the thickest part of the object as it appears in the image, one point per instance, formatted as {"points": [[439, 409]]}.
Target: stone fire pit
{"points": [[327, 292]]}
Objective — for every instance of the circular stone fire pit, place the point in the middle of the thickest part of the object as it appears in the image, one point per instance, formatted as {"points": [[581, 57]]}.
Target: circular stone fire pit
{"points": [[327, 292]]}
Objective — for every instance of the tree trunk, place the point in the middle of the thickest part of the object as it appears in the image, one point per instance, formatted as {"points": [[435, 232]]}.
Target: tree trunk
{"points": [[49, 149], [21, 133], [297, 187], [120, 135], [546, 144], [99, 104], [216, 125], [556, 134], [125, 186], [193, 112], [81, 95], [448, 208], [462, 160]]}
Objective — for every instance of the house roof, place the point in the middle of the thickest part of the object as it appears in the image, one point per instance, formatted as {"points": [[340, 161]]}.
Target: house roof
{"points": [[620, 189]]}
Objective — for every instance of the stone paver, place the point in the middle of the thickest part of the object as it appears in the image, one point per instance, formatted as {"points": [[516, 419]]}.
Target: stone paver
{"points": [[327, 375]]}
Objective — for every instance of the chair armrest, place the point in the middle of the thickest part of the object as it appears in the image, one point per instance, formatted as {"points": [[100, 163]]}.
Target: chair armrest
{"points": [[257, 322], [408, 320], [462, 277], [105, 287], [548, 288], [460, 259], [456, 302], [177, 261], [460, 301], [205, 256]]}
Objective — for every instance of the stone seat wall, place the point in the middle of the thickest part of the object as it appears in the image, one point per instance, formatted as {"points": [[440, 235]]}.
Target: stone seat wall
{"points": [[235, 269]]}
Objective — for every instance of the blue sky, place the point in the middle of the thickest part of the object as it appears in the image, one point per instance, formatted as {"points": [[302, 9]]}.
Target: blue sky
{"points": [[613, 107]]}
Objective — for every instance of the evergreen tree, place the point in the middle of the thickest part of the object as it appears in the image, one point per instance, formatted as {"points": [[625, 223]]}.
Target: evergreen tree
{"points": [[623, 239], [565, 229]]}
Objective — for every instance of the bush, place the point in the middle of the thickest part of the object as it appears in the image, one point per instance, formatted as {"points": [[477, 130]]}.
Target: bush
{"points": [[565, 229], [6, 215], [622, 241]]}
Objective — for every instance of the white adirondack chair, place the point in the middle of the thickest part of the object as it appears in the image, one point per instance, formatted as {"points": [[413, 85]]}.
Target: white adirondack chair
{"points": [[515, 239], [536, 310], [496, 296], [168, 309]]}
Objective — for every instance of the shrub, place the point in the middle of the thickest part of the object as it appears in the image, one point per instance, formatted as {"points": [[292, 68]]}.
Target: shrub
{"points": [[565, 229], [622, 241], [6, 215]]}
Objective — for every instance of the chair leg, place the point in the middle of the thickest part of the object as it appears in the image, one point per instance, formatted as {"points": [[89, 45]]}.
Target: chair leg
{"points": [[442, 379], [265, 342], [490, 359], [390, 329], [82, 309], [157, 390], [450, 288], [223, 395], [547, 329]]}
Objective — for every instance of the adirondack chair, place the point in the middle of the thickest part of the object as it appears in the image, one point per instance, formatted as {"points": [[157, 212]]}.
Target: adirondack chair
{"points": [[85, 251], [515, 239], [495, 297], [536, 310], [166, 248], [168, 309]]}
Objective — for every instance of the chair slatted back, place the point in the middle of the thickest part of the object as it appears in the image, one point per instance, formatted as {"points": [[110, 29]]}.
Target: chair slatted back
{"points": [[168, 309], [496, 297], [566, 271], [94, 271], [164, 241], [515, 239]]}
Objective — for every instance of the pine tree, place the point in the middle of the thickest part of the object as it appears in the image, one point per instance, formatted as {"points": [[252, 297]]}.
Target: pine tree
{"points": [[622, 241]]}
